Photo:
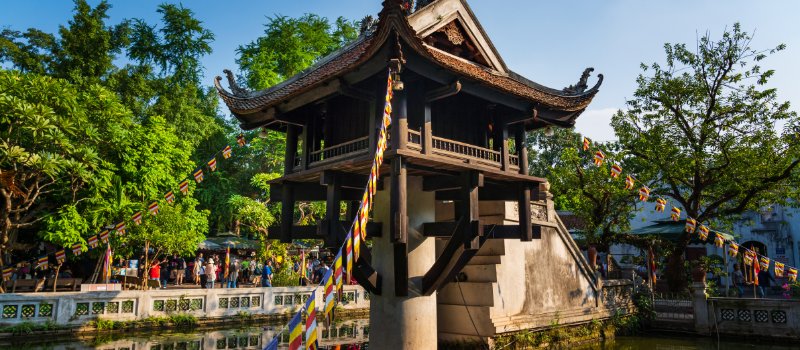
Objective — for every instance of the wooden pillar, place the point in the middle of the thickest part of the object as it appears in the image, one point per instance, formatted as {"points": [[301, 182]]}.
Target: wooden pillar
{"points": [[291, 149], [399, 120], [331, 225], [372, 120], [503, 136], [524, 204], [307, 140], [287, 211], [468, 207], [398, 213], [522, 149], [427, 131]]}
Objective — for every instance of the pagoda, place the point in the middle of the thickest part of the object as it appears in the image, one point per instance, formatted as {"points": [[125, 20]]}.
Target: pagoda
{"points": [[455, 185]]}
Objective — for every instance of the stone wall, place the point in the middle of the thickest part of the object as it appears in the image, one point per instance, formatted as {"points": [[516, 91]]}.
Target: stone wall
{"points": [[76, 308]]}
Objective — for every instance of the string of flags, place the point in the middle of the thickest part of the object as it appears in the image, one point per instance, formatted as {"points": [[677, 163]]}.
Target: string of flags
{"points": [[120, 228], [332, 282], [749, 257]]}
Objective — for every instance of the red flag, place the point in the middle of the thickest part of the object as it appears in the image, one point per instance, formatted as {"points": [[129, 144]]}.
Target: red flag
{"points": [[756, 270], [651, 260]]}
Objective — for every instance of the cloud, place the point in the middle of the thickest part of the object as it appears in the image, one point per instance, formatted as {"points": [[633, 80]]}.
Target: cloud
{"points": [[596, 124]]}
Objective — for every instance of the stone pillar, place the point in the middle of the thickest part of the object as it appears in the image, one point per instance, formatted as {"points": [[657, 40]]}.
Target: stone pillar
{"points": [[404, 322], [700, 306]]}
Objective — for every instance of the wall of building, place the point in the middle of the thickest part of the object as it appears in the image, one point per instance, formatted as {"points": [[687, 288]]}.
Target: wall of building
{"points": [[77, 308]]}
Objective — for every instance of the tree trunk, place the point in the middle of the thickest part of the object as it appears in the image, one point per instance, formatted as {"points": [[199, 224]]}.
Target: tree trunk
{"points": [[676, 276]]}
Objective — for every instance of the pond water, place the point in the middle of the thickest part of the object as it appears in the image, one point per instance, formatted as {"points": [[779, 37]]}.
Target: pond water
{"points": [[351, 334]]}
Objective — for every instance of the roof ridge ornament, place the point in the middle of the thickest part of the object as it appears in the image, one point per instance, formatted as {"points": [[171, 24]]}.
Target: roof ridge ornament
{"points": [[236, 90], [582, 84], [368, 25]]}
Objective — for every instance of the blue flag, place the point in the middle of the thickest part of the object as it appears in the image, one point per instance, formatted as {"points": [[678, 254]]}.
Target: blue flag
{"points": [[273, 344]]}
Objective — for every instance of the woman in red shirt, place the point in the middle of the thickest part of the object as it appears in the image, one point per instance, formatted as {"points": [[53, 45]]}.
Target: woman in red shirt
{"points": [[155, 271]]}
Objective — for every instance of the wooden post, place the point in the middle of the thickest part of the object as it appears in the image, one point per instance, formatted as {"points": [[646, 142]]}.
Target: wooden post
{"points": [[427, 131], [306, 146], [524, 204], [469, 207], [332, 207], [287, 212], [291, 149], [503, 137], [522, 149], [372, 127], [400, 120], [398, 206]]}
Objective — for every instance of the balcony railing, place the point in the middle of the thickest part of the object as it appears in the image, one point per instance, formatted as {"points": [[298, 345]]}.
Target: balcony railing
{"points": [[513, 162], [414, 140], [464, 151], [342, 150]]}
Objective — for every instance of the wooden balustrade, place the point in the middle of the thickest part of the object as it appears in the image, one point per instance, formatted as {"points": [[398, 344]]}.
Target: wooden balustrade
{"points": [[342, 150], [414, 140], [513, 161], [465, 151]]}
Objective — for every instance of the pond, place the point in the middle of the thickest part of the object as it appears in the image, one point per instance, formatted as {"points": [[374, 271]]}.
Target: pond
{"points": [[352, 334]]}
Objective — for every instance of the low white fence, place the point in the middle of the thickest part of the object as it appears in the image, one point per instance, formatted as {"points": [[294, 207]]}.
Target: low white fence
{"points": [[75, 308]]}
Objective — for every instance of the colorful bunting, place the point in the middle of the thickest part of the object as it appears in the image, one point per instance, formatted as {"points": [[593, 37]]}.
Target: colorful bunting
{"points": [[348, 249], [137, 218], [7, 273], [170, 197], [598, 158], [226, 152], [328, 279], [198, 175], [644, 193], [764, 262], [747, 257], [629, 182], [778, 269], [77, 249], [690, 225], [92, 241], [295, 331], [703, 232], [733, 249], [104, 236], [61, 256], [212, 164], [240, 140], [615, 171], [184, 186], [311, 322], [153, 208], [586, 144], [661, 204], [719, 241], [676, 213], [792, 274], [756, 270], [42, 262], [337, 273], [120, 227]]}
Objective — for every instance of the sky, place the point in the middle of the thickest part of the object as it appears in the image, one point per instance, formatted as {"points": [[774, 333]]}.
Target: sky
{"points": [[548, 42]]}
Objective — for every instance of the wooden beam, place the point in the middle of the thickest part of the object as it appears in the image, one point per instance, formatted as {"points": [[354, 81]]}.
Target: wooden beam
{"points": [[374, 229], [365, 274], [345, 180], [398, 209], [440, 183], [313, 192], [356, 93], [447, 229], [443, 92], [524, 212], [400, 269], [287, 212]]}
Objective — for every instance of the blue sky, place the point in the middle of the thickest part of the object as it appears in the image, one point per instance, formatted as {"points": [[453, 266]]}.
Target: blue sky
{"points": [[548, 42]]}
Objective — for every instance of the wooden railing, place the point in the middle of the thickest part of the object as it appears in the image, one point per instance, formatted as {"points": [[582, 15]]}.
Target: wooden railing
{"points": [[513, 162], [465, 151], [414, 140], [342, 150]]}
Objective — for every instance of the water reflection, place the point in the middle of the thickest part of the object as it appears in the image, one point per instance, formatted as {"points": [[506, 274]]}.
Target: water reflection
{"points": [[664, 342], [352, 333]]}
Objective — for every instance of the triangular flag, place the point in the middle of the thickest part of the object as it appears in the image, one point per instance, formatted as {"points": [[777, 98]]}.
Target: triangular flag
{"points": [[137, 218], [170, 197], [212, 164], [184, 186], [153, 208], [226, 152], [198, 175]]}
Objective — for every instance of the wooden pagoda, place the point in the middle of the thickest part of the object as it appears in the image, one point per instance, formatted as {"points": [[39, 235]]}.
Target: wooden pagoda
{"points": [[459, 123]]}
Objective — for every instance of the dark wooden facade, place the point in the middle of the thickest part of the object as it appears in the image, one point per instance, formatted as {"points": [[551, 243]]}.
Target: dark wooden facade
{"points": [[460, 130]]}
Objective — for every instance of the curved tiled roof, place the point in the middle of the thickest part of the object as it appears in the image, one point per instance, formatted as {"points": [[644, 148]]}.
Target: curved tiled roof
{"points": [[393, 19]]}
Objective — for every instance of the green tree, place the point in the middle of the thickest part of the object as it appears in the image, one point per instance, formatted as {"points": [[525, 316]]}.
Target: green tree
{"points": [[703, 126]]}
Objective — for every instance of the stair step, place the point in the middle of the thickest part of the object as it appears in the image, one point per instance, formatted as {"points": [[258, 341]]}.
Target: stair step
{"points": [[469, 293], [480, 273]]}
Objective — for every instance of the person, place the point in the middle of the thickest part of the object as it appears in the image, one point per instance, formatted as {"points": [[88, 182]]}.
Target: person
{"points": [[165, 270], [765, 280], [198, 265], [233, 274], [257, 270], [245, 268], [266, 275], [738, 280], [181, 270], [202, 275], [155, 271], [211, 273]]}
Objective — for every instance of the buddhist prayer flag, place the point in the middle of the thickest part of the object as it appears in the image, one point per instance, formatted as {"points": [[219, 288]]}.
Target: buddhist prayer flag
{"points": [[295, 332], [153, 208], [212, 164], [120, 227], [676, 213], [184, 186], [599, 157], [337, 272], [778, 269], [328, 279], [7, 273], [311, 322], [615, 171], [61, 256], [747, 257], [764, 262], [273, 344], [629, 183], [42, 262], [92, 241], [690, 225], [356, 240], [733, 249], [756, 269], [104, 236], [226, 152], [240, 140], [170, 197], [703, 232], [651, 261], [792, 274], [137, 218], [348, 248], [661, 204], [718, 240], [586, 144], [644, 193], [77, 249], [198, 175]]}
